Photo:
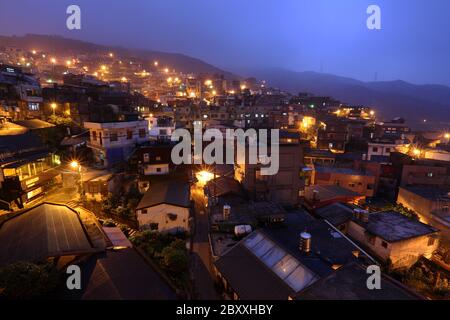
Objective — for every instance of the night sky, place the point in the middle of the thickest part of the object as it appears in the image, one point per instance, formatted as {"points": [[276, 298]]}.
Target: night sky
{"points": [[239, 35]]}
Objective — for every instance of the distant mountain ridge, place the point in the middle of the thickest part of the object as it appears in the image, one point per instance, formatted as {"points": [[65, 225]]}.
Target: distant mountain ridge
{"points": [[416, 103], [390, 98], [60, 44]]}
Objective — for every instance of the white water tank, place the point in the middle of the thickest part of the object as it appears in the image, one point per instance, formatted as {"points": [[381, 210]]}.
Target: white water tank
{"points": [[305, 242]]}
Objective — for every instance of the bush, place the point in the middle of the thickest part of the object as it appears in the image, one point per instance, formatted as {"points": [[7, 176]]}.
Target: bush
{"points": [[175, 260], [24, 280]]}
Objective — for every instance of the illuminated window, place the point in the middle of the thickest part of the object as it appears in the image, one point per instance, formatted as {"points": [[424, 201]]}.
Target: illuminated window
{"points": [[33, 106]]}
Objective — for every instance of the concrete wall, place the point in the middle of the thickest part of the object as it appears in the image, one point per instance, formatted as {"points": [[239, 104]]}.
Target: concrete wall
{"points": [[158, 214], [152, 169]]}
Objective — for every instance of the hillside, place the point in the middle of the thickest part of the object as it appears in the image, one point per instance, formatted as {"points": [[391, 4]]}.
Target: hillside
{"points": [[390, 98], [64, 45]]}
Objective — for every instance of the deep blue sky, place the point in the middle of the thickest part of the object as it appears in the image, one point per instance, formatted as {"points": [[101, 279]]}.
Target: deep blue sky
{"points": [[414, 44]]}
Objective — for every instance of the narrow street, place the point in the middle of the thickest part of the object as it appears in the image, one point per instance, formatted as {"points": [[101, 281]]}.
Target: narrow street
{"points": [[201, 259]]}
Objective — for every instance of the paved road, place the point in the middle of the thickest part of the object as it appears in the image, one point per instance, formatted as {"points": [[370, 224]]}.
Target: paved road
{"points": [[201, 261]]}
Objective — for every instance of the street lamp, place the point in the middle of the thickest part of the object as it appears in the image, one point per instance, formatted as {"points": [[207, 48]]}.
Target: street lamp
{"points": [[77, 166], [53, 106]]}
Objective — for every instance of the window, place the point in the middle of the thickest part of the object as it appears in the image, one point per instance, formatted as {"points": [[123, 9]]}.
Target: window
{"points": [[142, 133], [144, 211], [430, 175], [158, 158], [351, 185], [163, 132], [388, 150], [431, 241], [94, 135], [384, 244], [113, 136], [158, 169], [129, 135], [369, 186], [154, 226], [146, 157], [374, 149], [33, 106]]}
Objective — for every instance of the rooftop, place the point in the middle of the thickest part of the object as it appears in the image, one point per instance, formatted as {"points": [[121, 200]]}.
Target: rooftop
{"points": [[347, 171], [123, 275], [174, 193], [336, 213], [430, 193], [46, 230], [268, 264], [349, 283], [393, 226]]}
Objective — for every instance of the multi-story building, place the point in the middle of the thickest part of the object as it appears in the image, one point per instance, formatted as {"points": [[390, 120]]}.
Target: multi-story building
{"points": [[285, 186], [114, 142], [395, 128], [21, 94], [431, 204], [27, 168]]}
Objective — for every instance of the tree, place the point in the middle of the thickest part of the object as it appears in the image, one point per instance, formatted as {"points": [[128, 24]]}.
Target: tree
{"points": [[25, 280], [175, 260]]}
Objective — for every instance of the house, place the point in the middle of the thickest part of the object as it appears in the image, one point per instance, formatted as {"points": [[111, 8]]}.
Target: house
{"points": [[154, 160], [382, 147], [431, 204], [114, 142], [97, 189], [360, 181], [280, 263], [27, 167], [391, 236], [165, 207]]}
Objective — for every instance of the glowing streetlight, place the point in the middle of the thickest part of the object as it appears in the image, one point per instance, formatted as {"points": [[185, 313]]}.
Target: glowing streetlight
{"points": [[74, 165], [166, 70], [156, 63], [54, 106], [208, 83], [447, 136], [68, 63], [203, 177], [111, 55], [103, 67], [416, 152], [123, 79], [243, 87], [53, 60], [33, 52], [372, 113]]}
